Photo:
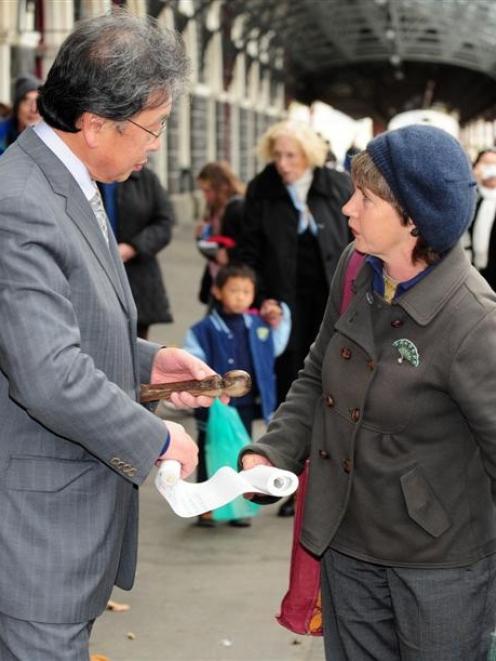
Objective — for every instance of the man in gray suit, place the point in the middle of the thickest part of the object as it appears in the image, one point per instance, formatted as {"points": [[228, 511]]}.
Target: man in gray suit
{"points": [[74, 443]]}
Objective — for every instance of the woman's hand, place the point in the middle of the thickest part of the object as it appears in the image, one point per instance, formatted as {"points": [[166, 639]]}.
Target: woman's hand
{"points": [[271, 312], [222, 258], [251, 459], [126, 251]]}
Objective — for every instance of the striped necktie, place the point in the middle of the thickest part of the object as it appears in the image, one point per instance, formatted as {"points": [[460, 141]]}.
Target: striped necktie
{"points": [[100, 214]]}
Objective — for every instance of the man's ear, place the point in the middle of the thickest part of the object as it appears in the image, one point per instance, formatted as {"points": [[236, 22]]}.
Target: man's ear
{"points": [[91, 126]]}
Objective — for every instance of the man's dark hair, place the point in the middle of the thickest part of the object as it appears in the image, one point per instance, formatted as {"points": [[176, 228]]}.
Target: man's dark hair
{"points": [[234, 271], [113, 66]]}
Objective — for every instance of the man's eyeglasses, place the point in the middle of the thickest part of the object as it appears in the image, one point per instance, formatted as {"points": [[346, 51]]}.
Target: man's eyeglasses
{"points": [[156, 134]]}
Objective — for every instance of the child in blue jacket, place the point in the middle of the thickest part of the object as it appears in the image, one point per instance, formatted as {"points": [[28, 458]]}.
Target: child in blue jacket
{"points": [[232, 337]]}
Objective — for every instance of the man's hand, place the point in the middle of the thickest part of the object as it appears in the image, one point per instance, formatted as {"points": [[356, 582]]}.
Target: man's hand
{"points": [[250, 460], [182, 448], [271, 312], [171, 365]]}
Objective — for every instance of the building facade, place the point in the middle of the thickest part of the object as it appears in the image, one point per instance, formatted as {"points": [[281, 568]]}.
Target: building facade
{"points": [[236, 89]]}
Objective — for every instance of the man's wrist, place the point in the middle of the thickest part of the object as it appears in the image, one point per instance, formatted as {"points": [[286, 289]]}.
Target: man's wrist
{"points": [[165, 446]]}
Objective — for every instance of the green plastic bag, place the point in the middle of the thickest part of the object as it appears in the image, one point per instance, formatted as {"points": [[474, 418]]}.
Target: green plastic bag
{"points": [[225, 437]]}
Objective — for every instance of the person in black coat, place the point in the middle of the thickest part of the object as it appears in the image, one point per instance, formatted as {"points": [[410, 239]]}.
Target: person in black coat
{"points": [[221, 224], [142, 217], [294, 232], [480, 239], [292, 235]]}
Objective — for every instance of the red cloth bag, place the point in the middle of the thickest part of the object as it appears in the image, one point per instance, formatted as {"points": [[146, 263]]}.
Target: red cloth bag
{"points": [[301, 610]]}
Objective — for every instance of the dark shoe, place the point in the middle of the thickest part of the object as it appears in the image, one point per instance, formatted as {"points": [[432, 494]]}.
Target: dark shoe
{"points": [[287, 508], [205, 521], [240, 523]]}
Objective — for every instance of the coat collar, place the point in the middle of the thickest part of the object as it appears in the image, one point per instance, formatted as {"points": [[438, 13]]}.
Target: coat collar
{"points": [[220, 325], [77, 207], [270, 185], [428, 297]]}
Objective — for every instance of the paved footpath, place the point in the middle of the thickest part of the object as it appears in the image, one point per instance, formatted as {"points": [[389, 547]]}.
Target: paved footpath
{"points": [[201, 594]]}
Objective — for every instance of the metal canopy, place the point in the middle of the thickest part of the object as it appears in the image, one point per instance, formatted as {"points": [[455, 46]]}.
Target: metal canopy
{"points": [[380, 57]]}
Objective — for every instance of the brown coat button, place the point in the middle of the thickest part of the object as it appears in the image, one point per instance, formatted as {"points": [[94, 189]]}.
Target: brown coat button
{"points": [[329, 400], [323, 454], [397, 323], [345, 353], [355, 414], [347, 465], [371, 365]]}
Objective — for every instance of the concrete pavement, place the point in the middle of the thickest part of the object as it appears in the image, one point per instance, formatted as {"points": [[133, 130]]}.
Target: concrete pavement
{"points": [[201, 594]]}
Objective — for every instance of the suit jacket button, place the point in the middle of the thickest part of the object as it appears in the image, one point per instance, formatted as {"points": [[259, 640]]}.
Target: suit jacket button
{"points": [[323, 454], [347, 465], [329, 400], [355, 414], [132, 472], [345, 353], [114, 461], [397, 323]]}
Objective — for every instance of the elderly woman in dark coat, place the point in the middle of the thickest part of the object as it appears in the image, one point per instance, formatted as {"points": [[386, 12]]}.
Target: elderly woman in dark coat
{"points": [[294, 233], [396, 409], [292, 236], [142, 217]]}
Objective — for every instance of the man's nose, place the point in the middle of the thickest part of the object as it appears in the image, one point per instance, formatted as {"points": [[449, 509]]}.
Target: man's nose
{"points": [[154, 144]]}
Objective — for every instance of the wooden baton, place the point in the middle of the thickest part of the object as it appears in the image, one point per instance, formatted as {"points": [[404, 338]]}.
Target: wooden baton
{"points": [[235, 383]]}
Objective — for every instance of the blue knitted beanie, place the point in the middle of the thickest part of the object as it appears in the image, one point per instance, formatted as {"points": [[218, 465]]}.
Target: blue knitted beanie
{"points": [[431, 178]]}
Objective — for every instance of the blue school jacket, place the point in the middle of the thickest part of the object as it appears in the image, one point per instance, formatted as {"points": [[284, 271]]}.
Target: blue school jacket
{"points": [[213, 342]]}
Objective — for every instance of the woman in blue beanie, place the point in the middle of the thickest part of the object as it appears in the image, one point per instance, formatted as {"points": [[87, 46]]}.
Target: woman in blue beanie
{"points": [[396, 410]]}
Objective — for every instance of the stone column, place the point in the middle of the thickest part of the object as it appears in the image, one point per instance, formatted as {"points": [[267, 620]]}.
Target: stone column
{"points": [[8, 16], [59, 21]]}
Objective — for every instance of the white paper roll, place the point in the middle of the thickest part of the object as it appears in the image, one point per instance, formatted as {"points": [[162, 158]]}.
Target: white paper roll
{"points": [[170, 472], [272, 481], [189, 499]]}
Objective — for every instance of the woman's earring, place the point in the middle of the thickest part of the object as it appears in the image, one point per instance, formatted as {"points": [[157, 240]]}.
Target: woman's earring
{"points": [[415, 232]]}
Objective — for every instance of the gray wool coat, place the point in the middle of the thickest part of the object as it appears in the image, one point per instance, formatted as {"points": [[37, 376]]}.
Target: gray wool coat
{"points": [[402, 457]]}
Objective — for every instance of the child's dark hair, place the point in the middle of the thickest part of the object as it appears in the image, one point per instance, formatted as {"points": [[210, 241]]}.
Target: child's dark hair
{"points": [[234, 271]]}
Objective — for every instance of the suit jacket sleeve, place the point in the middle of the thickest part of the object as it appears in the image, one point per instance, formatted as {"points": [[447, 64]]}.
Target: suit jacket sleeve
{"points": [[50, 371]]}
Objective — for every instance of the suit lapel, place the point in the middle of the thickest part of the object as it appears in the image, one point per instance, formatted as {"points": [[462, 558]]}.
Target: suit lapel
{"points": [[80, 213]]}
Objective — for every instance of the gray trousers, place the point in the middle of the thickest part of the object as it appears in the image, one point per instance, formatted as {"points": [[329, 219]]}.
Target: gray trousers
{"points": [[377, 613], [38, 641]]}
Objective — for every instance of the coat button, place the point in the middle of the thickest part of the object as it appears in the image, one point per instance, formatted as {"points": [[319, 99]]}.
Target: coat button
{"points": [[371, 365], [329, 400], [347, 465], [345, 353], [355, 414], [397, 323], [323, 454]]}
